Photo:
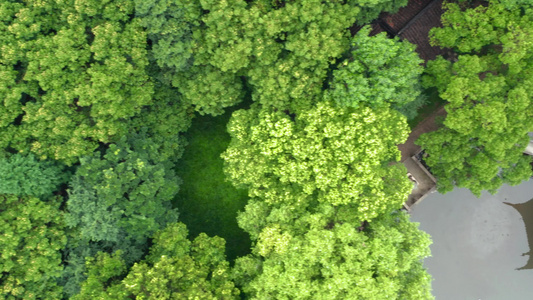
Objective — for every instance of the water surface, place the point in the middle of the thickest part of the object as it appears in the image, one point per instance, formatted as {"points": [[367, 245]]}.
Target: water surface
{"points": [[478, 243]]}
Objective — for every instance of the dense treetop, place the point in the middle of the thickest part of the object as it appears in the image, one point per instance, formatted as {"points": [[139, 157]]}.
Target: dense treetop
{"points": [[32, 237], [28, 176], [488, 88], [175, 269], [340, 156], [72, 74], [118, 201], [339, 261], [381, 70], [95, 98]]}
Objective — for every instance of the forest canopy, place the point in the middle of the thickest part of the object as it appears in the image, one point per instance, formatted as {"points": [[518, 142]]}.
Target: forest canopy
{"points": [[488, 90], [97, 98]]}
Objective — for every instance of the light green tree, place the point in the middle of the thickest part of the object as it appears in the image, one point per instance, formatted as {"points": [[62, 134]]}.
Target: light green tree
{"points": [[338, 261], [282, 48], [338, 155], [488, 88], [72, 73], [175, 269], [309, 36], [32, 237], [209, 90]]}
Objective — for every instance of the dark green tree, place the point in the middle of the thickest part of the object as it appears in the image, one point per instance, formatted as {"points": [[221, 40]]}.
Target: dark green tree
{"points": [[370, 10], [169, 25], [117, 202], [164, 120], [25, 175], [379, 71], [128, 190]]}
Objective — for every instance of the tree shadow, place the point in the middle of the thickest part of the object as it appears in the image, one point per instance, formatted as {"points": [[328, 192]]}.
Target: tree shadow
{"points": [[526, 211]]}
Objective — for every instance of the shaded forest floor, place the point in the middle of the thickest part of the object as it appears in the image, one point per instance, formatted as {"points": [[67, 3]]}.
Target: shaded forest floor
{"points": [[434, 103], [429, 118], [206, 201]]}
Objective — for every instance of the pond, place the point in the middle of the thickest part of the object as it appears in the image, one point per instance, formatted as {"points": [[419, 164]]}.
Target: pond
{"points": [[478, 243]]}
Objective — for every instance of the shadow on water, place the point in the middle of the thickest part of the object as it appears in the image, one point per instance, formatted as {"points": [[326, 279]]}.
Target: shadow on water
{"points": [[526, 211]]}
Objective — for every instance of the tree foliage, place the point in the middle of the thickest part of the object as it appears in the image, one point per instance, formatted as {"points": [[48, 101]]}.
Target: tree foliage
{"points": [[72, 73], [370, 9], [106, 88], [164, 120], [380, 70], [116, 202], [175, 269], [32, 237], [488, 89], [24, 175], [339, 261], [169, 25], [309, 36], [283, 48], [208, 89], [127, 191], [339, 155]]}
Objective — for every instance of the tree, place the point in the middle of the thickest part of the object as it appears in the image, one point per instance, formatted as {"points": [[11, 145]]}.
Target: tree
{"points": [[208, 89], [71, 75], [309, 36], [291, 44], [488, 89], [174, 30], [164, 120], [339, 261], [370, 10], [24, 175], [32, 237], [336, 155], [175, 269], [169, 25], [380, 70], [282, 48], [118, 201], [128, 190]]}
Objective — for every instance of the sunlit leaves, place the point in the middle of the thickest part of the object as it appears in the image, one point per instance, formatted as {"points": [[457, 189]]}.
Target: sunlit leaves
{"points": [[208, 89], [341, 262], [176, 269], [32, 237], [489, 93], [339, 155], [76, 80]]}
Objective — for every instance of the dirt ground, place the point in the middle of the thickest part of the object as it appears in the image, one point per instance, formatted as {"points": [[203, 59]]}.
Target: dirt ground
{"points": [[409, 148], [425, 181]]}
